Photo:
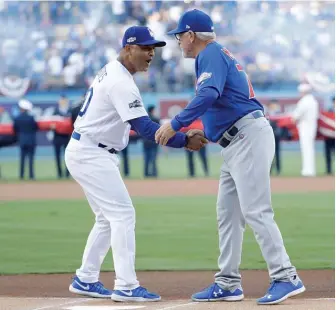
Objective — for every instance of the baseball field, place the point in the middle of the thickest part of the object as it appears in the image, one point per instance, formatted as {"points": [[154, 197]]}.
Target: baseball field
{"points": [[44, 226]]}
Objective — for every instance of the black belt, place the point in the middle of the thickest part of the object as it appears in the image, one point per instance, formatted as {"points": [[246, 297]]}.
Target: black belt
{"points": [[77, 136], [224, 142]]}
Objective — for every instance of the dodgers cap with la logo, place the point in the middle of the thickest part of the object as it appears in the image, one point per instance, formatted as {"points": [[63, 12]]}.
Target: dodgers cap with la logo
{"points": [[194, 20], [140, 35]]}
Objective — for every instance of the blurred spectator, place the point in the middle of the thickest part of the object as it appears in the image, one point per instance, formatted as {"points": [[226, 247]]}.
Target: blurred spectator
{"points": [[329, 145], [273, 110], [125, 155], [60, 141], [67, 42], [150, 149], [25, 128], [191, 162], [306, 116]]}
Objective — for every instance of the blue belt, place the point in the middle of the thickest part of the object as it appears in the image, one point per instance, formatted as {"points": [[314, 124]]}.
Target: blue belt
{"points": [[224, 142], [77, 136]]}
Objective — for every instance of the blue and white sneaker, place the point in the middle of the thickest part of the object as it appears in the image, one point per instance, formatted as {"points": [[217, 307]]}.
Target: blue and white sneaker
{"points": [[137, 294], [215, 293], [96, 289], [281, 290]]}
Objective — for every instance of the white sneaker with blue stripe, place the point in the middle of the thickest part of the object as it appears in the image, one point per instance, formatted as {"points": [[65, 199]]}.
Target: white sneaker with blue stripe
{"points": [[96, 289], [215, 293], [137, 294], [281, 290]]}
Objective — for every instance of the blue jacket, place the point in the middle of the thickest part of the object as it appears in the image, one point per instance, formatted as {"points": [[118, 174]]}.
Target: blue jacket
{"points": [[25, 128]]}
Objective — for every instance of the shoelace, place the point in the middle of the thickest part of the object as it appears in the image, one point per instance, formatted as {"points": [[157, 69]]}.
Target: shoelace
{"points": [[273, 286], [100, 287], [142, 290], [208, 288]]}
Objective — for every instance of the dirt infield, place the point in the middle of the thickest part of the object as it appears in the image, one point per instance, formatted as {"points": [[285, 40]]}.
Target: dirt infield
{"points": [[155, 188], [174, 287], [37, 292]]}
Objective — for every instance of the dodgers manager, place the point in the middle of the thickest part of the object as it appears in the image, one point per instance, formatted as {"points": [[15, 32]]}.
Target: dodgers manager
{"points": [[234, 118], [113, 105]]}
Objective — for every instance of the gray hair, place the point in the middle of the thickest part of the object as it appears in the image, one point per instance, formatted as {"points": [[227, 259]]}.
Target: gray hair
{"points": [[206, 36]]}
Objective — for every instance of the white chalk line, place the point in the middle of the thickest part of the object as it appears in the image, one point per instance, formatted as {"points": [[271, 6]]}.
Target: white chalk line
{"points": [[81, 300], [63, 304], [39, 298], [180, 305]]}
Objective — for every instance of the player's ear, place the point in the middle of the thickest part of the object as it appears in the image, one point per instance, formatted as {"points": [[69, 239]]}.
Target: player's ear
{"points": [[193, 36]]}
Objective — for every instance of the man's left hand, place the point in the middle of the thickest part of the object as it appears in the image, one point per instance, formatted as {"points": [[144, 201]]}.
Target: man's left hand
{"points": [[164, 133]]}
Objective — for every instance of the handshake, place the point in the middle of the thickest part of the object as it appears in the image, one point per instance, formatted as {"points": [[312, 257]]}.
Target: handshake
{"points": [[196, 140], [195, 137]]}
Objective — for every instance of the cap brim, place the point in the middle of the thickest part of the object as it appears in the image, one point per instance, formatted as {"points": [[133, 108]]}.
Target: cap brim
{"points": [[153, 42], [176, 31]]}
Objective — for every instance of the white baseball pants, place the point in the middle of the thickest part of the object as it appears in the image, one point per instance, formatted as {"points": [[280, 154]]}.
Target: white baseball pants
{"points": [[96, 170], [307, 135]]}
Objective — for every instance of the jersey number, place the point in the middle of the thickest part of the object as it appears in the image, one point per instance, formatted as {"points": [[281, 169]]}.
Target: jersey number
{"points": [[251, 91], [86, 102]]}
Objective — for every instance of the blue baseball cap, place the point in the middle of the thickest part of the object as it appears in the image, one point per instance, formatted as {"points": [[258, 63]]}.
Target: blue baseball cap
{"points": [[140, 35], [194, 20]]}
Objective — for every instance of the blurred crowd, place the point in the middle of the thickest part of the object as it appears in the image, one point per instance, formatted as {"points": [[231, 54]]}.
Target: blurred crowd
{"points": [[64, 43]]}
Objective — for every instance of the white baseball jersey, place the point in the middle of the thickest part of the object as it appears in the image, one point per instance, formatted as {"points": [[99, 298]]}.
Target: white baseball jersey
{"points": [[112, 99]]}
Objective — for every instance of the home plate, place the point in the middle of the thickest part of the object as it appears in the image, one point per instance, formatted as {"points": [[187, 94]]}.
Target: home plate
{"points": [[104, 307]]}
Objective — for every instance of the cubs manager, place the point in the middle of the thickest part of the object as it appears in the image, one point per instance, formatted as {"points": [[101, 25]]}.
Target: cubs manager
{"points": [[234, 119]]}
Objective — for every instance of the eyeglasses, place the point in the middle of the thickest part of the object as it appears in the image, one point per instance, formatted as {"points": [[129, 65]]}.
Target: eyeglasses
{"points": [[178, 36]]}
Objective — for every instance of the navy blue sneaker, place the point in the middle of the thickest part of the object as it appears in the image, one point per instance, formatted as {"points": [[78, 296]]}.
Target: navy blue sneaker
{"points": [[137, 294], [215, 293], [281, 290], [96, 289]]}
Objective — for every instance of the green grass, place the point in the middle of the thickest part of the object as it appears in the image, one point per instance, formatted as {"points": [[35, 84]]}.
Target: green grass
{"points": [[172, 167], [172, 234]]}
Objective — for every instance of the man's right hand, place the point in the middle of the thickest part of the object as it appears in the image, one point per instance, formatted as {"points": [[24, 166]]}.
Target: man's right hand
{"points": [[195, 141], [193, 132]]}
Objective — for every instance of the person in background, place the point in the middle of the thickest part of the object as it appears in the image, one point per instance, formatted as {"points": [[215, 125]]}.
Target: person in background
{"points": [[329, 144], [306, 116], [25, 128], [75, 108], [274, 109], [60, 141], [191, 161], [150, 149], [5, 140], [125, 161]]}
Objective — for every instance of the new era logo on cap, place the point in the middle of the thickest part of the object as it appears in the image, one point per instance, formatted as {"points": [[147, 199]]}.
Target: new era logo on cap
{"points": [[187, 26]]}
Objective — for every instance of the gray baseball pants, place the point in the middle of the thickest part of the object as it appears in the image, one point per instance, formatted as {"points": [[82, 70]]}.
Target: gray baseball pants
{"points": [[244, 197]]}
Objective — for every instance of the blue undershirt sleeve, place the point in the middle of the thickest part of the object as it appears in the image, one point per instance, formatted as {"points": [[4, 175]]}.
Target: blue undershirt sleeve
{"points": [[145, 127]]}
